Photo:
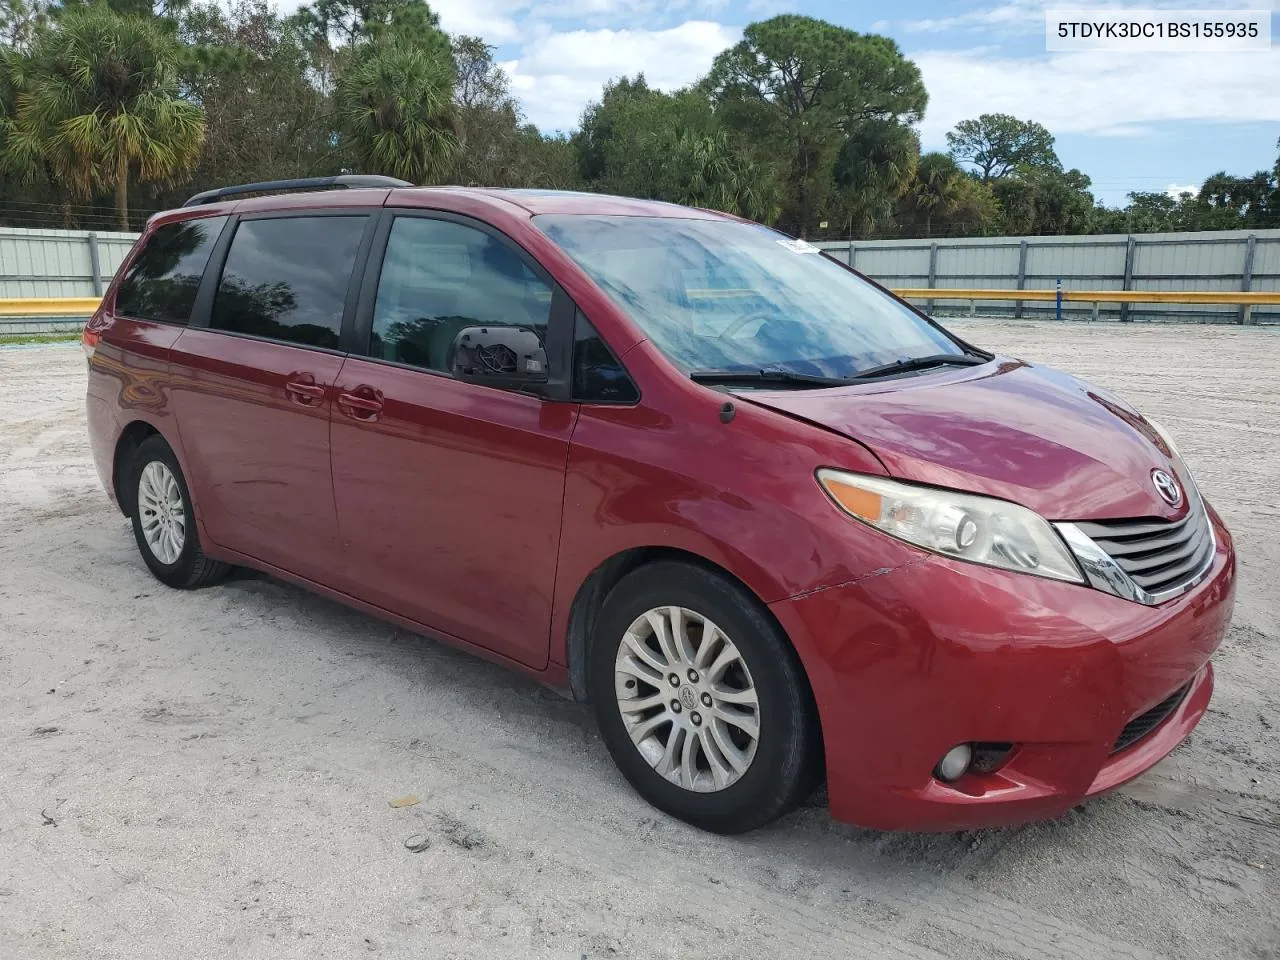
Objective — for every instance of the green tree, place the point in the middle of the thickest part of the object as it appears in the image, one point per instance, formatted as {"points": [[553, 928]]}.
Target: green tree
{"points": [[396, 111], [345, 23], [997, 144], [98, 105], [494, 149], [550, 162], [247, 68], [1248, 201], [609, 126], [800, 87], [874, 167], [935, 191], [19, 22], [670, 146], [1040, 201], [712, 170]]}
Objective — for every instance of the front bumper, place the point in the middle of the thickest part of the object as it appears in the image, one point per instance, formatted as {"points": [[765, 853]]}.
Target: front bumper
{"points": [[908, 663]]}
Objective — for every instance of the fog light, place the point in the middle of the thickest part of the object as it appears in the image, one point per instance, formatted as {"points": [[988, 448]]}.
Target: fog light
{"points": [[954, 763]]}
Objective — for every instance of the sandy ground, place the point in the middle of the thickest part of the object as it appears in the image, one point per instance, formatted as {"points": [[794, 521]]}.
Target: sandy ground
{"points": [[208, 774]]}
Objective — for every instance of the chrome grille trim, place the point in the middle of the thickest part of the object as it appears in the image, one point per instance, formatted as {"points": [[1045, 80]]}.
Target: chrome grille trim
{"points": [[1146, 560]]}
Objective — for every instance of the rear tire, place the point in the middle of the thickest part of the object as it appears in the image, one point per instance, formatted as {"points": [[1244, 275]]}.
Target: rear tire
{"points": [[164, 523], [747, 744]]}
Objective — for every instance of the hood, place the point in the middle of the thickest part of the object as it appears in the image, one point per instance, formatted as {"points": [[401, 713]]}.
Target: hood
{"points": [[1008, 429]]}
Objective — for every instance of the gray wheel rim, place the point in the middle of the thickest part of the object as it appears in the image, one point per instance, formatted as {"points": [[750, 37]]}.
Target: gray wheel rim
{"points": [[687, 699], [161, 512]]}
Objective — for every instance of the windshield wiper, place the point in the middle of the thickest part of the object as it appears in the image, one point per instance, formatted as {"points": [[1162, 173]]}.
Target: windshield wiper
{"points": [[766, 376], [907, 364]]}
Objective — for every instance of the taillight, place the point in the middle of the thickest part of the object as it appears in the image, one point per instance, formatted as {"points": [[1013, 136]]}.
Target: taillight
{"points": [[89, 340]]}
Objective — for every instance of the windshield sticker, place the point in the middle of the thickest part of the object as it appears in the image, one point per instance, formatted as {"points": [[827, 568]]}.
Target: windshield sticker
{"points": [[799, 246]]}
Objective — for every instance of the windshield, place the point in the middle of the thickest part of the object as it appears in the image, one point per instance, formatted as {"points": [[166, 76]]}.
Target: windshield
{"points": [[729, 296]]}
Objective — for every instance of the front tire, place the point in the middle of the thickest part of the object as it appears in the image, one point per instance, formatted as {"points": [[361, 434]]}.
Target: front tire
{"points": [[701, 700], [164, 522]]}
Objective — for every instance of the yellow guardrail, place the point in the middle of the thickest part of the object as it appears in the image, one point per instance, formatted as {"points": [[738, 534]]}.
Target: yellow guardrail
{"points": [[84, 306], [48, 306], [1230, 297]]}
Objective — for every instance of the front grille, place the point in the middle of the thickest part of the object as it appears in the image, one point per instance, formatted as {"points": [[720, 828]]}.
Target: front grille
{"points": [[1157, 555], [1144, 723]]}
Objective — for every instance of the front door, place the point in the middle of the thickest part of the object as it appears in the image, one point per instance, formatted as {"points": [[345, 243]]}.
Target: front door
{"points": [[253, 391], [449, 493]]}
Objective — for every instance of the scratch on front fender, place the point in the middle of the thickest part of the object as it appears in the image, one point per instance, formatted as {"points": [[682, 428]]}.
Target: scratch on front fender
{"points": [[878, 572]]}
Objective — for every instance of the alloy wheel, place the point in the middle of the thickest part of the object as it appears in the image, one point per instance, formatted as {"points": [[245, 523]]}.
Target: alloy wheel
{"points": [[161, 512], [687, 699]]}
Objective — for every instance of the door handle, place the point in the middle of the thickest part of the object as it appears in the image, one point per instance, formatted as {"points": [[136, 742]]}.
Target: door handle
{"points": [[362, 403], [303, 389]]}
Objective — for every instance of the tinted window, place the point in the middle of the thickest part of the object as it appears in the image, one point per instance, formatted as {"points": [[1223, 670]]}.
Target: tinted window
{"points": [[723, 295], [439, 277], [598, 377], [287, 279], [162, 281]]}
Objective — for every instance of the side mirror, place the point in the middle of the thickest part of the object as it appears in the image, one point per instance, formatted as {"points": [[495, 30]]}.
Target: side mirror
{"points": [[499, 356]]}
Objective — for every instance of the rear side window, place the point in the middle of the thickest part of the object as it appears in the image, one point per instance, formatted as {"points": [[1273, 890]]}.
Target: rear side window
{"points": [[287, 278], [162, 281]]}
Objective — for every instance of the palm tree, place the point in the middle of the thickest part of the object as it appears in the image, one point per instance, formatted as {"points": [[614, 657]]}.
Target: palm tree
{"points": [[395, 106], [873, 168], [98, 104], [936, 188], [711, 170]]}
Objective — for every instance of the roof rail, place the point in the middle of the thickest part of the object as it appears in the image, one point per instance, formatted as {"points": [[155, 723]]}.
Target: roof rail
{"points": [[347, 181]]}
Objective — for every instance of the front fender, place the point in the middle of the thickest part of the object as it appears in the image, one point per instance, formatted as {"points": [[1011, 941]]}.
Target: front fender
{"points": [[740, 495]]}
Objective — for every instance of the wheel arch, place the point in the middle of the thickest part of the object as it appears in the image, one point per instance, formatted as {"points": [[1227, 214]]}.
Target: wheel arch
{"points": [[590, 597], [591, 594], [131, 437]]}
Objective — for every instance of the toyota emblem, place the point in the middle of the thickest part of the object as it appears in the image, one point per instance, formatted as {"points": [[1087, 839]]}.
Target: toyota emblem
{"points": [[1167, 487]]}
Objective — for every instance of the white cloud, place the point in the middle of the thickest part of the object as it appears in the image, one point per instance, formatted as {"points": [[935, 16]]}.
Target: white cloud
{"points": [[1101, 92], [558, 72], [626, 10], [1017, 13], [493, 20], [1175, 191]]}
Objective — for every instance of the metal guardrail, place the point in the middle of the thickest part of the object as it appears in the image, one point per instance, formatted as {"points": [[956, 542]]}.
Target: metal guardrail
{"points": [[74, 307], [48, 306], [1094, 296], [1245, 300]]}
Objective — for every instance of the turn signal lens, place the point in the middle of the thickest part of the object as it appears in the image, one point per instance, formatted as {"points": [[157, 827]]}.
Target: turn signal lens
{"points": [[983, 530], [89, 340], [863, 504]]}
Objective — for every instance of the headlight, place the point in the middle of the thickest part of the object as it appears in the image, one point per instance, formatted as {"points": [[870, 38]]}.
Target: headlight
{"points": [[978, 529]]}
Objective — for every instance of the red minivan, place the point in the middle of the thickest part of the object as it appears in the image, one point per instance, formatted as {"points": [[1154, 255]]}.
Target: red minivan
{"points": [[776, 524]]}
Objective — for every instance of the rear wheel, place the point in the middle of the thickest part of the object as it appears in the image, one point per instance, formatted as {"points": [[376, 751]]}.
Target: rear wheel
{"points": [[164, 522], [701, 699]]}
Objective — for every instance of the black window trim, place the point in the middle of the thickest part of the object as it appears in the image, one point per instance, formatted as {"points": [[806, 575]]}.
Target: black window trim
{"points": [[202, 312], [559, 383], [229, 220], [635, 384]]}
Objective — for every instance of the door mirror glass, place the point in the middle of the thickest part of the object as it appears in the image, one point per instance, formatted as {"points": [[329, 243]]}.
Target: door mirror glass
{"points": [[498, 355]]}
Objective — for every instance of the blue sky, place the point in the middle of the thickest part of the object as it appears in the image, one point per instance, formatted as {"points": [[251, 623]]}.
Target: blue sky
{"points": [[1131, 121]]}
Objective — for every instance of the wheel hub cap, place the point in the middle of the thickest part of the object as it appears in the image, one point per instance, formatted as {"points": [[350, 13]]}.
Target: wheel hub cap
{"points": [[687, 699], [161, 512]]}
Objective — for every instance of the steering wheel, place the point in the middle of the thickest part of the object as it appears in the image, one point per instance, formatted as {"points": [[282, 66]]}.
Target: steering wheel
{"points": [[741, 322]]}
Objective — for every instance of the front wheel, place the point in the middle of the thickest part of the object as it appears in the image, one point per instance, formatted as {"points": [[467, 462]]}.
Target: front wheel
{"points": [[164, 522], [701, 699]]}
